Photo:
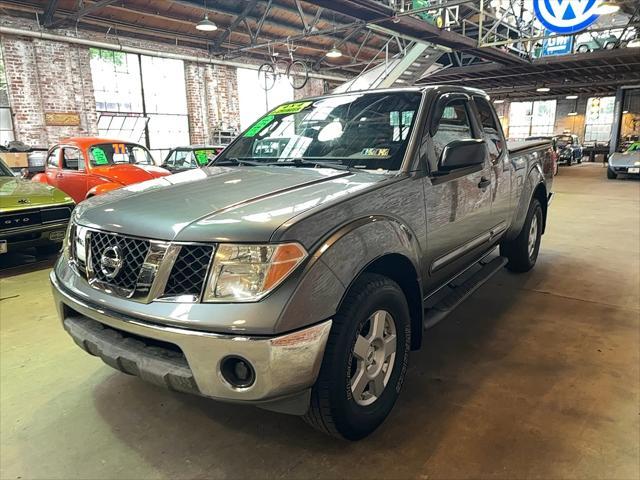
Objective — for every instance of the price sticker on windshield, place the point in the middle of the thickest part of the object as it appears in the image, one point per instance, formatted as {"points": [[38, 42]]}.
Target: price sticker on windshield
{"points": [[99, 156], [289, 108], [119, 148], [259, 126], [202, 157], [375, 152]]}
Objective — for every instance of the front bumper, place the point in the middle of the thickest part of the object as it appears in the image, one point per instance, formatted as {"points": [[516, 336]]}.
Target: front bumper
{"points": [[35, 236], [285, 366]]}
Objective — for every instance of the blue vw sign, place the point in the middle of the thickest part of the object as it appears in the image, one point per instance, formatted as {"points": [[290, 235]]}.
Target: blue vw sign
{"points": [[566, 16]]}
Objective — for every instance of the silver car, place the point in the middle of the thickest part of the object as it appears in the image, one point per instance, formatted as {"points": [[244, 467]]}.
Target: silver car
{"points": [[625, 163]]}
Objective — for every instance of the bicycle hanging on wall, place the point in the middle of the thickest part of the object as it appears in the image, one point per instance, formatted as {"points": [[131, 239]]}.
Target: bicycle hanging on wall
{"points": [[296, 71]]}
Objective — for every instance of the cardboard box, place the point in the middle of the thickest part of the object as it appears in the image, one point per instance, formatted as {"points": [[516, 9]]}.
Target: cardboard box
{"points": [[15, 160]]}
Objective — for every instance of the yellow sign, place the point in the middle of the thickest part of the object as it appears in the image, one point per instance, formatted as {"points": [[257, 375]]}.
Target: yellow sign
{"points": [[63, 119], [288, 108]]}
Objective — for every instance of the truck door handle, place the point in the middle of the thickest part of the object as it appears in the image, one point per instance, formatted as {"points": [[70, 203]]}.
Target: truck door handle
{"points": [[484, 182]]}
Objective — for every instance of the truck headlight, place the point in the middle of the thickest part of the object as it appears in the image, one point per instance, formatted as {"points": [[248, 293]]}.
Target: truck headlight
{"points": [[246, 273]]}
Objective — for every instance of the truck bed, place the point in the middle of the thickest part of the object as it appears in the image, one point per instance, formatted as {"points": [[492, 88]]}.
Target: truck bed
{"points": [[521, 145]]}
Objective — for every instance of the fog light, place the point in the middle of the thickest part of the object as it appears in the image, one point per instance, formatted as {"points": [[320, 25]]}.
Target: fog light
{"points": [[238, 372]]}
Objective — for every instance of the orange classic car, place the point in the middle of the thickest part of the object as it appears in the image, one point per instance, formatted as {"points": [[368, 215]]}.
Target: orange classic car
{"points": [[86, 166]]}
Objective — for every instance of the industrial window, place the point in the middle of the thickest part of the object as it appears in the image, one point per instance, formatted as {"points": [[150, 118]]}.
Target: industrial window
{"points": [[116, 81], [599, 118], [141, 99], [531, 119], [165, 101], [254, 101], [6, 124]]}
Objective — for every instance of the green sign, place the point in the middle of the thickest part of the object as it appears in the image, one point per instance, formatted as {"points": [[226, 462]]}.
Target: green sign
{"points": [[259, 125], [288, 108], [99, 156], [202, 156]]}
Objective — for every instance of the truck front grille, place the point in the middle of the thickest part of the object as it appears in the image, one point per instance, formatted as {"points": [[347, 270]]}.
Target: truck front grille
{"points": [[130, 267], [132, 250], [189, 270]]}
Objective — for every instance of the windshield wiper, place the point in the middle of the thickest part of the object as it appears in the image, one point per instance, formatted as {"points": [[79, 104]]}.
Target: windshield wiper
{"points": [[235, 161], [305, 162]]}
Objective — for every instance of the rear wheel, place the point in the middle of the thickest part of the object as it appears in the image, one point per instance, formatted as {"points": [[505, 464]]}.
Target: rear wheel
{"points": [[365, 360], [583, 48], [611, 175], [522, 251]]}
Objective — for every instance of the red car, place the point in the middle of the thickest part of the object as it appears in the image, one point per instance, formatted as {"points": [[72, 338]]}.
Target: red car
{"points": [[86, 166]]}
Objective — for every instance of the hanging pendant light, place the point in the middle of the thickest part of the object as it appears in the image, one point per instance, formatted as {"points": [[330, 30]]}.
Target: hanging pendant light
{"points": [[334, 53], [206, 25]]}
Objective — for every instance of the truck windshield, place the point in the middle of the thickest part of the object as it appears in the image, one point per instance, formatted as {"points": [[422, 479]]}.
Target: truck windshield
{"points": [[118, 153], [360, 130]]}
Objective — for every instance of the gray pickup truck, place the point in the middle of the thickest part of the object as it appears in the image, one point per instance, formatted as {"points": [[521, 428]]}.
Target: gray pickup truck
{"points": [[298, 270]]}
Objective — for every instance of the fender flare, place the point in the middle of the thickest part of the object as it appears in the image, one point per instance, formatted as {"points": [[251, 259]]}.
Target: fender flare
{"points": [[340, 259], [102, 188], [533, 180]]}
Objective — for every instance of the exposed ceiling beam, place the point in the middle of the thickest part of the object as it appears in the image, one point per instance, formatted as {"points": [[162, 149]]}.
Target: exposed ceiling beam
{"points": [[80, 13], [243, 15], [49, 12]]}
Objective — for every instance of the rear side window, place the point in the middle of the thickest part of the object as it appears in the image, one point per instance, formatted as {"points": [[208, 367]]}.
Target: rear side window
{"points": [[490, 128], [454, 125]]}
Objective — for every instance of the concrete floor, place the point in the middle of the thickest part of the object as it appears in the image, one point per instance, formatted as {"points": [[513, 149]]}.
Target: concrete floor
{"points": [[535, 376]]}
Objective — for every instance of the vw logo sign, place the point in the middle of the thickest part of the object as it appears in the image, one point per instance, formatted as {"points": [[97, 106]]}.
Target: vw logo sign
{"points": [[566, 16], [111, 261]]}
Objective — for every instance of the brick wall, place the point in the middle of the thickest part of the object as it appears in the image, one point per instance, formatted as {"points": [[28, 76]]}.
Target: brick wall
{"points": [[47, 77], [212, 100], [51, 76], [313, 88]]}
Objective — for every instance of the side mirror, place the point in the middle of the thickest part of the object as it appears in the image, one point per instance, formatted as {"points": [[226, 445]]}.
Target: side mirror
{"points": [[463, 153]]}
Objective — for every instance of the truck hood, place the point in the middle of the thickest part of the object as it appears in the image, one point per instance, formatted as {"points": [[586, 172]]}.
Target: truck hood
{"points": [[18, 194], [220, 204], [126, 173], [626, 159]]}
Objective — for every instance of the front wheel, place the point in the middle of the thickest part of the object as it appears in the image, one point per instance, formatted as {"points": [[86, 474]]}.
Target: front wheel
{"points": [[522, 251], [365, 360], [611, 175]]}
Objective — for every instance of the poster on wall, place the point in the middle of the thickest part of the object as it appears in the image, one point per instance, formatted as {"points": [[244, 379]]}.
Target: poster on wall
{"points": [[61, 119]]}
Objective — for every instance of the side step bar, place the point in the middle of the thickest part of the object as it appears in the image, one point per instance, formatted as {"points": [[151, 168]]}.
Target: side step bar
{"points": [[460, 292]]}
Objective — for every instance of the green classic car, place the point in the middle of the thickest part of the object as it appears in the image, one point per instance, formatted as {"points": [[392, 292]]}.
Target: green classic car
{"points": [[31, 214]]}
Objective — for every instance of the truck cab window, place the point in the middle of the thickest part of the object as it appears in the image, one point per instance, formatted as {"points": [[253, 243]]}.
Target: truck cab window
{"points": [[454, 124], [490, 128]]}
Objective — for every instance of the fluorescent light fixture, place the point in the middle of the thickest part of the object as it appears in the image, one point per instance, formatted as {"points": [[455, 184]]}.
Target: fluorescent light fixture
{"points": [[607, 7], [334, 53], [625, 111], [571, 97], [206, 25], [572, 114], [542, 89], [498, 100]]}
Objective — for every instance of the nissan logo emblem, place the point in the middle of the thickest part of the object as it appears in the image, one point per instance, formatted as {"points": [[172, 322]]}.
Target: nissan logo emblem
{"points": [[111, 262]]}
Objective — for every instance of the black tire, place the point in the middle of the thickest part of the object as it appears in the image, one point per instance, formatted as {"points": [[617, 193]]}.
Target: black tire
{"points": [[583, 48], [517, 250], [569, 161], [266, 76], [611, 175], [333, 409], [298, 74]]}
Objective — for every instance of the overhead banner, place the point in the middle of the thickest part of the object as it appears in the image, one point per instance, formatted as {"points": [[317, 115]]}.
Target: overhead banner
{"points": [[556, 45]]}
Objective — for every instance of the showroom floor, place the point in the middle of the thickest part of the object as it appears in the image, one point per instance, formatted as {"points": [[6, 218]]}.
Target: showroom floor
{"points": [[535, 376]]}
